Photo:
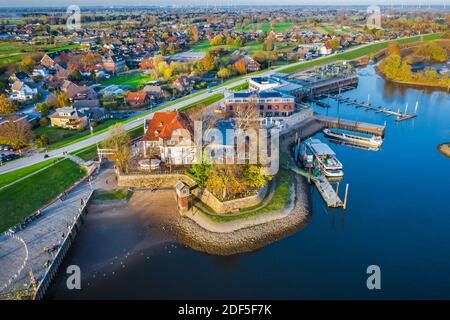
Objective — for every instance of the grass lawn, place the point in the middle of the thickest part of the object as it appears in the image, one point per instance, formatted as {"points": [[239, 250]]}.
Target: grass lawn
{"points": [[200, 46], [251, 47], [120, 194], [240, 87], [90, 152], [11, 51], [279, 200], [203, 102], [60, 137], [367, 50], [279, 27], [12, 176], [132, 80], [55, 134], [87, 153], [25, 197]]}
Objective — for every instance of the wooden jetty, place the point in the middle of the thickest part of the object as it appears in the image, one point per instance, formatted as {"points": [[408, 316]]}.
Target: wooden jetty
{"points": [[326, 190], [322, 184], [320, 103], [329, 195], [357, 126], [400, 116]]}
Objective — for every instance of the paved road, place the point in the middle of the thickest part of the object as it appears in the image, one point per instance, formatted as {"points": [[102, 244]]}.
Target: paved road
{"points": [[26, 161]]}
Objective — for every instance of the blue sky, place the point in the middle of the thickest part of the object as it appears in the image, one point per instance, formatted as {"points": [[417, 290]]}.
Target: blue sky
{"points": [[10, 3]]}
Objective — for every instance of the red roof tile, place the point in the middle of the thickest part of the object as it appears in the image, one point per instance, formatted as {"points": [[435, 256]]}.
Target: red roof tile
{"points": [[164, 123]]}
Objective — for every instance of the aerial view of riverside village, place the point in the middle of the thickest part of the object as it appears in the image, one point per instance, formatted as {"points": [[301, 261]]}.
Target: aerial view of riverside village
{"points": [[224, 150]]}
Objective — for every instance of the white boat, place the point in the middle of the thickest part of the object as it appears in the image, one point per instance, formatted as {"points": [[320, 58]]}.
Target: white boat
{"points": [[318, 155], [370, 141]]}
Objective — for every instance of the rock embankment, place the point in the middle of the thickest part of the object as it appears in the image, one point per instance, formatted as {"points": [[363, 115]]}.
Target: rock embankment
{"points": [[251, 238]]}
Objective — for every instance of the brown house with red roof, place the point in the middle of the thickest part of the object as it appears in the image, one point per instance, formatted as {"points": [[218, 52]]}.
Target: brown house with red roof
{"points": [[138, 99], [170, 135]]}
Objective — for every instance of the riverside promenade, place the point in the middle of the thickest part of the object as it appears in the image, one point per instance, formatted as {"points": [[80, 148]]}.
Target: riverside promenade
{"points": [[34, 248]]}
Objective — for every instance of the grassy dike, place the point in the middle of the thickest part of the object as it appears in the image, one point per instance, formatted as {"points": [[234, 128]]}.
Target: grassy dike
{"points": [[23, 198], [12, 176]]}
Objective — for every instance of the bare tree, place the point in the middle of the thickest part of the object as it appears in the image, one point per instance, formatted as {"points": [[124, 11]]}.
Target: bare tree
{"points": [[247, 115], [119, 141], [16, 133]]}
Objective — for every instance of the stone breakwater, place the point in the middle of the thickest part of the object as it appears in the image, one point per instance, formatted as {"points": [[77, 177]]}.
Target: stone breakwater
{"points": [[249, 238]]}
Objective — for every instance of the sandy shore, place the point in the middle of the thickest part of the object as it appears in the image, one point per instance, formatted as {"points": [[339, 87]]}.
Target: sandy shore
{"points": [[249, 239], [444, 148]]}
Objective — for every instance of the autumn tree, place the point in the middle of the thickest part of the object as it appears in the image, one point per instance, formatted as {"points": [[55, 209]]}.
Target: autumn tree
{"points": [[217, 40], [6, 106], [431, 52], [223, 183], [240, 66], [61, 99], [393, 49], [253, 176], [16, 133], [208, 63], [43, 108], [201, 171], [261, 58], [28, 63], [118, 141], [223, 73]]}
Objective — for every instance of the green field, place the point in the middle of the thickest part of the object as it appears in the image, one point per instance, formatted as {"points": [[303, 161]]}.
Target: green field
{"points": [[27, 196], [357, 53], [87, 153], [60, 137], [132, 80], [12, 176], [251, 47], [240, 87], [266, 27], [203, 102], [11, 51]]}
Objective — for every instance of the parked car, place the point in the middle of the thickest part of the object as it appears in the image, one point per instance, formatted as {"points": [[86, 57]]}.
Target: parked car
{"points": [[8, 157], [5, 147]]}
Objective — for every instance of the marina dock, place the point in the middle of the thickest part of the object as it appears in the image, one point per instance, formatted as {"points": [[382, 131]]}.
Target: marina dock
{"points": [[400, 116], [329, 195], [322, 184], [357, 126]]}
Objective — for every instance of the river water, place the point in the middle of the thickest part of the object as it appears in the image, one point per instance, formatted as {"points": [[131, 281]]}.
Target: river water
{"points": [[398, 217]]}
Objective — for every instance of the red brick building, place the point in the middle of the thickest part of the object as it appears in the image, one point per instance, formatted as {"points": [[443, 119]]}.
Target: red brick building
{"points": [[266, 103]]}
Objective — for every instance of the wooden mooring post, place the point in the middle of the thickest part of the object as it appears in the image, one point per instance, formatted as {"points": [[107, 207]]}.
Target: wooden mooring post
{"points": [[345, 197]]}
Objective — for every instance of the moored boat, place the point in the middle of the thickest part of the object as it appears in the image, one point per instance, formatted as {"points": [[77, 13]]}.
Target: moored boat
{"points": [[366, 141], [318, 155]]}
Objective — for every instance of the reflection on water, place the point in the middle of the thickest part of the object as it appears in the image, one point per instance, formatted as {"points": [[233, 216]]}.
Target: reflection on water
{"points": [[397, 218]]}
